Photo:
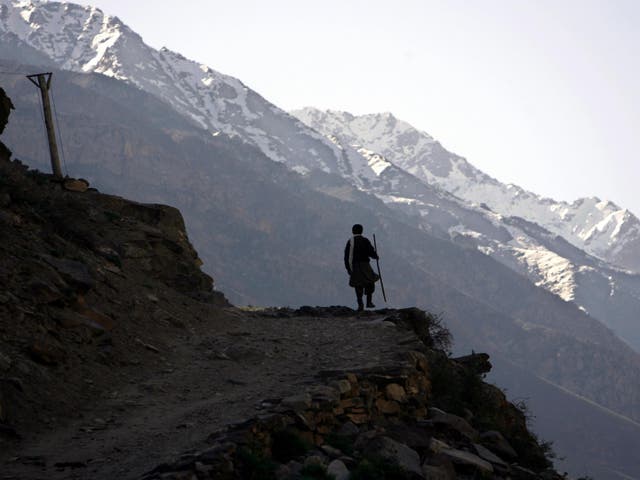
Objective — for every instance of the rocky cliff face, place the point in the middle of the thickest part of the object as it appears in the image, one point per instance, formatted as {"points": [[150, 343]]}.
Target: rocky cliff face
{"points": [[5, 109], [84, 278]]}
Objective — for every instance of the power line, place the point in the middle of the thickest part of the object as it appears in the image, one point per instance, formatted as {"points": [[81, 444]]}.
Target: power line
{"points": [[13, 73]]}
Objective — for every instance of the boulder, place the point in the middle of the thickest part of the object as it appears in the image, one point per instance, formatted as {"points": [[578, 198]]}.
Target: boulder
{"points": [[290, 470], [339, 470], [71, 319], [5, 362], [75, 185], [325, 395], [387, 406], [297, 403], [495, 442], [73, 272], [437, 446], [160, 315], [396, 452], [331, 451], [42, 291], [440, 417], [477, 363], [489, 456], [5, 199], [343, 386], [412, 436], [312, 460], [460, 457], [441, 472], [46, 353], [521, 473], [348, 429], [94, 319], [395, 392]]}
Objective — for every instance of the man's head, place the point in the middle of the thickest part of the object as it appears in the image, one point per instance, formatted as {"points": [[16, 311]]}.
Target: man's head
{"points": [[357, 229]]}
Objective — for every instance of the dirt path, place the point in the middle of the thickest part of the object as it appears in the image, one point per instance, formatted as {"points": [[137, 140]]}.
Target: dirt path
{"points": [[218, 375]]}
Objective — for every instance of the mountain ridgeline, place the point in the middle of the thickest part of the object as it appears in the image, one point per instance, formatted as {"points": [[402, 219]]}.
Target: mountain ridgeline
{"points": [[269, 199]]}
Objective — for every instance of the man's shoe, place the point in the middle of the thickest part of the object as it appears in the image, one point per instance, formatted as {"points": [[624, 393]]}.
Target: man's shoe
{"points": [[370, 305], [360, 307]]}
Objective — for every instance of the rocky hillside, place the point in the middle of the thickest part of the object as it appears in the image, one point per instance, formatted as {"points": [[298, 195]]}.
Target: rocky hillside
{"points": [[83, 277], [117, 355]]}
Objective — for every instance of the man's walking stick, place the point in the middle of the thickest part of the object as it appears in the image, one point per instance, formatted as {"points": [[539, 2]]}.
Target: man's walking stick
{"points": [[375, 246]]}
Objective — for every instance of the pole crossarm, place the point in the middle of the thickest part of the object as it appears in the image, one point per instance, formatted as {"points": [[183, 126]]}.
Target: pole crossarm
{"points": [[36, 75]]}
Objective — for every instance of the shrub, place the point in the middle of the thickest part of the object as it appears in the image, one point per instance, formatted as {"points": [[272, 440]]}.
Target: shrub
{"points": [[254, 466], [288, 445], [315, 472], [377, 468]]}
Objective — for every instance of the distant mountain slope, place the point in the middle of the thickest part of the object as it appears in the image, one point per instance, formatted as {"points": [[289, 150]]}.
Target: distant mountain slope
{"points": [[598, 227]]}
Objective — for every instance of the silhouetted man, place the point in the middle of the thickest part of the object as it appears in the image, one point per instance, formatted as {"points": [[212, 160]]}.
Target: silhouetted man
{"points": [[356, 260]]}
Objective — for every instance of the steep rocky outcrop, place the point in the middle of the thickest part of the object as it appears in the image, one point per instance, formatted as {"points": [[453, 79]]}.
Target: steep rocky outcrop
{"points": [[85, 279], [5, 109]]}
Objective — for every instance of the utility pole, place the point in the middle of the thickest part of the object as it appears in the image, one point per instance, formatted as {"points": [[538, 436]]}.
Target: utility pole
{"points": [[43, 83]]}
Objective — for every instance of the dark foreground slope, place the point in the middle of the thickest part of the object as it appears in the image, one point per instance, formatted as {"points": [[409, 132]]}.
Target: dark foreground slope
{"points": [[117, 357]]}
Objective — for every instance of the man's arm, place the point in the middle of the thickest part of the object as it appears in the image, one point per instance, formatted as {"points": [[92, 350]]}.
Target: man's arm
{"points": [[371, 251], [346, 257]]}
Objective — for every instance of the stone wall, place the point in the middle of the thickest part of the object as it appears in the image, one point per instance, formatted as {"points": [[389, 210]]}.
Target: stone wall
{"points": [[378, 423]]}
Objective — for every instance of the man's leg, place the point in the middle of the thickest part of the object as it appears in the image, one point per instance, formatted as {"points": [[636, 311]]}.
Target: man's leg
{"points": [[369, 289], [359, 292]]}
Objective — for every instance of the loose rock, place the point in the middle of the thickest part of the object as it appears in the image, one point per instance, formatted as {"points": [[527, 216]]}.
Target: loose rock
{"points": [[396, 452], [395, 392], [498, 444], [489, 456], [466, 458], [339, 470], [457, 423]]}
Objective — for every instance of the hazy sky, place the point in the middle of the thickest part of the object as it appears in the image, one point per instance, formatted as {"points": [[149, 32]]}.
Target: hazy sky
{"points": [[544, 94]]}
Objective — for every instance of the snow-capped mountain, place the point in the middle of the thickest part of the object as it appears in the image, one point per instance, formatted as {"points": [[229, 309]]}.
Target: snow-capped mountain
{"points": [[599, 227], [84, 39]]}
